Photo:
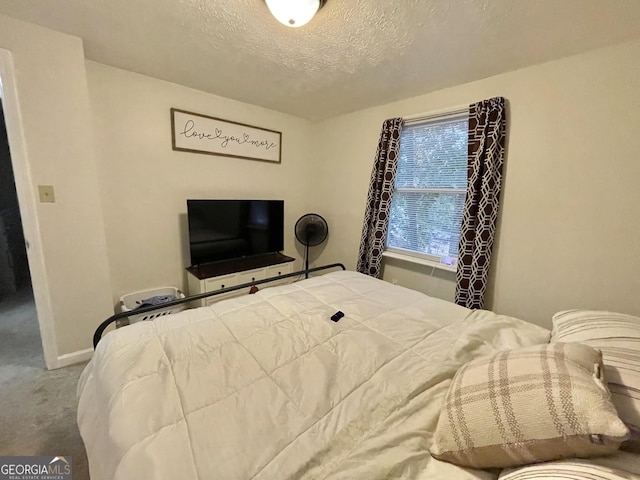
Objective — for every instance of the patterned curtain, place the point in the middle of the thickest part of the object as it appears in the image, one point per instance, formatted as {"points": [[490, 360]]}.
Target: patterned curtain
{"points": [[487, 125], [376, 217]]}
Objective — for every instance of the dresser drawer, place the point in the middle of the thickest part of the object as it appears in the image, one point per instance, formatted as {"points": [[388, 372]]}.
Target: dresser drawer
{"points": [[218, 283], [277, 270], [251, 276]]}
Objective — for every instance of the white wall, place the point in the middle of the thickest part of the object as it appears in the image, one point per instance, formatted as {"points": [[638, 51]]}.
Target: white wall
{"points": [[145, 184], [50, 134], [569, 227]]}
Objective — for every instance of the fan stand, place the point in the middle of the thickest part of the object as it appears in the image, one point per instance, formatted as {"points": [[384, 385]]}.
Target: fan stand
{"points": [[306, 257]]}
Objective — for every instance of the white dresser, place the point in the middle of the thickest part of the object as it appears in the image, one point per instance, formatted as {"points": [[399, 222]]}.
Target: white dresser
{"points": [[217, 276]]}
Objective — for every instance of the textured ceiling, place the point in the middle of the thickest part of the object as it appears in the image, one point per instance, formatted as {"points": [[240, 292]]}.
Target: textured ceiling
{"points": [[354, 54]]}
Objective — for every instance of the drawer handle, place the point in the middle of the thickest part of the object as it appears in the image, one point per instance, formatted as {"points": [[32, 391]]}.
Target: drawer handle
{"points": [[222, 286]]}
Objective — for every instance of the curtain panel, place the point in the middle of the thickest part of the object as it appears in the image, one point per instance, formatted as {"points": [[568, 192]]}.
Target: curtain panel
{"points": [[376, 218], [487, 127]]}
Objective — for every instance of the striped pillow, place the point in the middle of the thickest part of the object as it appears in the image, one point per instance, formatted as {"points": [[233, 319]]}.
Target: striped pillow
{"points": [[618, 337], [622, 466], [529, 405]]}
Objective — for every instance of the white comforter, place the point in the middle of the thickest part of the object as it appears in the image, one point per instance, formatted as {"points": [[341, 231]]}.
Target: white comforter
{"points": [[266, 386]]}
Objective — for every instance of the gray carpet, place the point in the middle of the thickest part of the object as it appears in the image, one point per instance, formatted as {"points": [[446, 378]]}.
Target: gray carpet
{"points": [[37, 407]]}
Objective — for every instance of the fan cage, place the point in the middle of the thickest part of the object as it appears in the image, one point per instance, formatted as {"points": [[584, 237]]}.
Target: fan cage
{"points": [[318, 226]]}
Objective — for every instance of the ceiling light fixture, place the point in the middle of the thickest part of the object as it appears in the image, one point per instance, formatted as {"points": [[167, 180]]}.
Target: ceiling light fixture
{"points": [[294, 13]]}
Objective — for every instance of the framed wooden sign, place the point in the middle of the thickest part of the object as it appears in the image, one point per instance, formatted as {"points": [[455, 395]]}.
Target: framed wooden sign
{"points": [[197, 133]]}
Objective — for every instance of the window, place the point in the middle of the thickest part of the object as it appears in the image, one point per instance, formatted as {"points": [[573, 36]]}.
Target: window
{"points": [[430, 188]]}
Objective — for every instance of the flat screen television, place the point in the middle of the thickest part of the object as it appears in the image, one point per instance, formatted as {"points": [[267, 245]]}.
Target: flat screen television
{"points": [[230, 229]]}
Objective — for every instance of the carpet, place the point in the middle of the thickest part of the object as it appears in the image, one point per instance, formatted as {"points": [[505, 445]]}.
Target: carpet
{"points": [[38, 406]]}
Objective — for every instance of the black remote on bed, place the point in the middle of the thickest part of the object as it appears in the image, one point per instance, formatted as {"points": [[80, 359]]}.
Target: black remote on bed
{"points": [[337, 316]]}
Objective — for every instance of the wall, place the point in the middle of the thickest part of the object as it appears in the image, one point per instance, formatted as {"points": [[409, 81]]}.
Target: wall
{"points": [[569, 226], [51, 142], [145, 183]]}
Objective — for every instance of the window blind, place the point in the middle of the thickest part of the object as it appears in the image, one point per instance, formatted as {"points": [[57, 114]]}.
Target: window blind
{"points": [[430, 189]]}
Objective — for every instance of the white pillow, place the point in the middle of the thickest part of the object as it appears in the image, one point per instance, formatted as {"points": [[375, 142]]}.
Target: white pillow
{"points": [[621, 466], [617, 336]]}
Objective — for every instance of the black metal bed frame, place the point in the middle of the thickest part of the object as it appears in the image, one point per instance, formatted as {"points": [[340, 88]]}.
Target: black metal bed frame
{"points": [[118, 316]]}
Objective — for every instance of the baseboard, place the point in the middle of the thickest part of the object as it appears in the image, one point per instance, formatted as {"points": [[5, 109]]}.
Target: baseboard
{"points": [[73, 358]]}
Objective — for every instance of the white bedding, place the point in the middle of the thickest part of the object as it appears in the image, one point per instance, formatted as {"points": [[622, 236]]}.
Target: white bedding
{"points": [[266, 386]]}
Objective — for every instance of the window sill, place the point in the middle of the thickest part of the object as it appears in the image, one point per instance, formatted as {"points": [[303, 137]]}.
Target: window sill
{"points": [[419, 261]]}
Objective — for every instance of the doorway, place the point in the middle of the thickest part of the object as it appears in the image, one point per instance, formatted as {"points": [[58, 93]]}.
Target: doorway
{"points": [[20, 342]]}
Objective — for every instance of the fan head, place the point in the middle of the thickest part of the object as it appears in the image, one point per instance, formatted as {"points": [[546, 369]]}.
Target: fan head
{"points": [[311, 229]]}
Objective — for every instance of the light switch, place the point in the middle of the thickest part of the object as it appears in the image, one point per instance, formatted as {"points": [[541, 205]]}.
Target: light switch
{"points": [[46, 194]]}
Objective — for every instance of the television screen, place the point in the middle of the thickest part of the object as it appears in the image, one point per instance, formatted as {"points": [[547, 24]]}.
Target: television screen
{"points": [[228, 229]]}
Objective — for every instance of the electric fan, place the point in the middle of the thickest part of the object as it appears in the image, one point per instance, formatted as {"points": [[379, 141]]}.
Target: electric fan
{"points": [[311, 230]]}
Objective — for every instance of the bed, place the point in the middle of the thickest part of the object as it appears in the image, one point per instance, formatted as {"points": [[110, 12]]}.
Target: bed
{"points": [[268, 386]]}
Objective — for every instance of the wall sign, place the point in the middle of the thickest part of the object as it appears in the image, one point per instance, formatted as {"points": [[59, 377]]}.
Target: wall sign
{"points": [[197, 133]]}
